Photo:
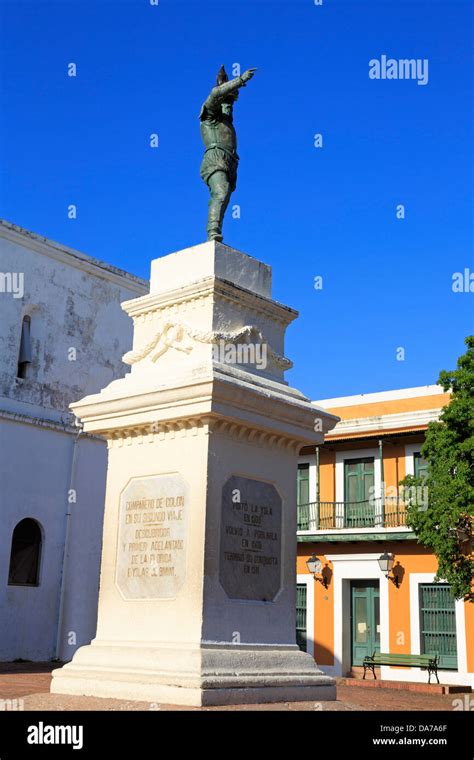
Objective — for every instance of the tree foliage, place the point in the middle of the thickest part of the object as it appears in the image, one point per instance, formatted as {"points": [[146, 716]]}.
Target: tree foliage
{"points": [[444, 521]]}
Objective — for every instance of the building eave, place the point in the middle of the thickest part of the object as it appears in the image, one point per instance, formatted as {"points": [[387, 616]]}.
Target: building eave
{"points": [[382, 425], [69, 256]]}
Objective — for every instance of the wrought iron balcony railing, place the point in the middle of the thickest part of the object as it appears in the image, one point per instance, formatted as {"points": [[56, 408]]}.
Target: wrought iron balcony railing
{"points": [[334, 515]]}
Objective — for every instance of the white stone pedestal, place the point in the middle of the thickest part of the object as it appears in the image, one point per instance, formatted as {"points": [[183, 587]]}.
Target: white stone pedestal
{"points": [[197, 592]]}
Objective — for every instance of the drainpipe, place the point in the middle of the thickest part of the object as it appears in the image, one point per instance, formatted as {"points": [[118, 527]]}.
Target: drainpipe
{"points": [[382, 484], [72, 477]]}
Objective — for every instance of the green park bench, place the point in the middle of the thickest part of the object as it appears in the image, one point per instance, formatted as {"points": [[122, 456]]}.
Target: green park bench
{"points": [[424, 661]]}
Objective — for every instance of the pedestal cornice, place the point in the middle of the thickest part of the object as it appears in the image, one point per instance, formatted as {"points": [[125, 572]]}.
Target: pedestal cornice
{"points": [[272, 408], [206, 288]]}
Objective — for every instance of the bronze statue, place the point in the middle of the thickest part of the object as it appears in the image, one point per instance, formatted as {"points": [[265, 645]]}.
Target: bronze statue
{"points": [[220, 162]]}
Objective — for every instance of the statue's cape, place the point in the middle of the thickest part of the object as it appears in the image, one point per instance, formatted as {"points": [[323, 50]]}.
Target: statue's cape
{"points": [[202, 113]]}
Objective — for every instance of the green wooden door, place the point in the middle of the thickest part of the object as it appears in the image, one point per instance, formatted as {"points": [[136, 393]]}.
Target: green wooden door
{"points": [[301, 634], [365, 619], [438, 623], [359, 504]]}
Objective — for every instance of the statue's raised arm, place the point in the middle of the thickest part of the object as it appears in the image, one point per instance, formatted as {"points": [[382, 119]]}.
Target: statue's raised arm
{"points": [[228, 89], [220, 162]]}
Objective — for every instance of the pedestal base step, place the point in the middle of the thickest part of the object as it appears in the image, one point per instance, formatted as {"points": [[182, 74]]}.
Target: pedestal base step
{"points": [[195, 676], [194, 697]]}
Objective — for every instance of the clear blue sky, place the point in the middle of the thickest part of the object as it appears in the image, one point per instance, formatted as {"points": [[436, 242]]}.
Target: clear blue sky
{"points": [[305, 211]]}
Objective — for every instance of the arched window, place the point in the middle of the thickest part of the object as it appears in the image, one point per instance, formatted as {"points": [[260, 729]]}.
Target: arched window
{"points": [[25, 554], [24, 355]]}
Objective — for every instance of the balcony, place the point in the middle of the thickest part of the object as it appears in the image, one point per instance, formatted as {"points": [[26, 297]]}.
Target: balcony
{"points": [[350, 515]]}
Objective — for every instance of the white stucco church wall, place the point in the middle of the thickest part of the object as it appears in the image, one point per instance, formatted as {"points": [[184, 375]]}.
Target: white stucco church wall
{"points": [[49, 470]]}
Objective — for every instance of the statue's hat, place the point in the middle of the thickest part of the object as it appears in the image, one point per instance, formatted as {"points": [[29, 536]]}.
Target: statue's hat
{"points": [[222, 76]]}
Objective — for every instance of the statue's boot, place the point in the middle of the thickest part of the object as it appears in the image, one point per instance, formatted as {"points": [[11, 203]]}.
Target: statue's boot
{"points": [[214, 220], [220, 196]]}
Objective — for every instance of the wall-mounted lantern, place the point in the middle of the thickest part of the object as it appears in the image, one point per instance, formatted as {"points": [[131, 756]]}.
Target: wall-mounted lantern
{"points": [[315, 567], [386, 566]]}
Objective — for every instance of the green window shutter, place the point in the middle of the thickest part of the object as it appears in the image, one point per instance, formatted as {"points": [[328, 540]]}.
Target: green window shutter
{"points": [[359, 479], [421, 466], [303, 484], [301, 633], [359, 504], [438, 623]]}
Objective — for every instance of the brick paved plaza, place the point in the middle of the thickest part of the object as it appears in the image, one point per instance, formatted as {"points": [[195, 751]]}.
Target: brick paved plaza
{"points": [[30, 682]]}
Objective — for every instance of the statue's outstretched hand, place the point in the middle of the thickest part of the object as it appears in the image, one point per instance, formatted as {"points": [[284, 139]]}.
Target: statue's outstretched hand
{"points": [[247, 75]]}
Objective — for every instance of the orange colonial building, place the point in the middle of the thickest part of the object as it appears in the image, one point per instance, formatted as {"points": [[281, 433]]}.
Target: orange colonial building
{"points": [[350, 512]]}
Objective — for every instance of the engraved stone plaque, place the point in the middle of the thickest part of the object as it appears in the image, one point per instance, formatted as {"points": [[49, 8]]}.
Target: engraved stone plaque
{"points": [[250, 546], [151, 549]]}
